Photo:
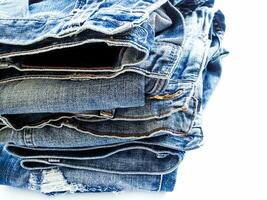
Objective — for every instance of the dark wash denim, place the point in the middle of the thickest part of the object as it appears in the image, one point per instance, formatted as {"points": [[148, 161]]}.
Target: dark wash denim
{"points": [[70, 180], [150, 148]]}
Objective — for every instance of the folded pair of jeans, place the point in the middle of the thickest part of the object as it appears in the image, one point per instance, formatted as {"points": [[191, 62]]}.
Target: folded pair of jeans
{"points": [[104, 96]]}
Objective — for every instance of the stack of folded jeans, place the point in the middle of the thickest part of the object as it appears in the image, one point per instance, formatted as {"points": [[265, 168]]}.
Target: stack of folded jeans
{"points": [[104, 95]]}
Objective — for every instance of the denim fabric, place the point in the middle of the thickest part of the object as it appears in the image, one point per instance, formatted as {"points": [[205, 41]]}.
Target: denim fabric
{"points": [[198, 24], [179, 123], [133, 158], [212, 73], [49, 137], [157, 55], [174, 98], [67, 180], [49, 19], [35, 96], [104, 96]]}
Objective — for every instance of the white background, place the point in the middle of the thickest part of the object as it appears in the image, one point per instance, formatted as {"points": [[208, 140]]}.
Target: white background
{"points": [[232, 163]]}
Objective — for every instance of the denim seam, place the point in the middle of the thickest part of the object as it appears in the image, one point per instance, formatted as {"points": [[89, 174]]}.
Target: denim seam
{"points": [[111, 41], [160, 183], [54, 165], [176, 132], [124, 27], [175, 54], [121, 149], [154, 116], [35, 20], [168, 68], [39, 125], [119, 135], [160, 87], [174, 57], [42, 20], [81, 77], [116, 118], [155, 86], [5, 121], [193, 116], [136, 142], [28, 137], [206, 41]]}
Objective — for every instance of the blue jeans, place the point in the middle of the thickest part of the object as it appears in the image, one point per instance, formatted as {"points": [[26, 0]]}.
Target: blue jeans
{"points": [[71, 122], [162, 100], [68, 180]]}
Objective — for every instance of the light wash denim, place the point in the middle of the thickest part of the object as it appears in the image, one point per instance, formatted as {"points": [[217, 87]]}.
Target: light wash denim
{"points": [[150, 41], [212, 73], [34, 96], [174, 96]]}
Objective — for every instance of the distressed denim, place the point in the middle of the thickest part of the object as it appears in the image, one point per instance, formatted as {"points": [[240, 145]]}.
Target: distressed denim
{"points": [[71, 122], [68, 180]]}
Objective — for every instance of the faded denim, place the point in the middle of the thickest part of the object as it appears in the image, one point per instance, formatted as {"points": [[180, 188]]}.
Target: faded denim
{"points": [[175, 96], [158, 33], [121, 123]]}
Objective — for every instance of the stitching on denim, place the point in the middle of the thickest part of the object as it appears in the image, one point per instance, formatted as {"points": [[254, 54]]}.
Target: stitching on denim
{"points": [[35, 20], [154, 87], [160, 86], [124, 43], [193, 116], [178, 132], [172, 58], [160, 183], [159, 115], [168, 170], [152, 116], [27, 137]]}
